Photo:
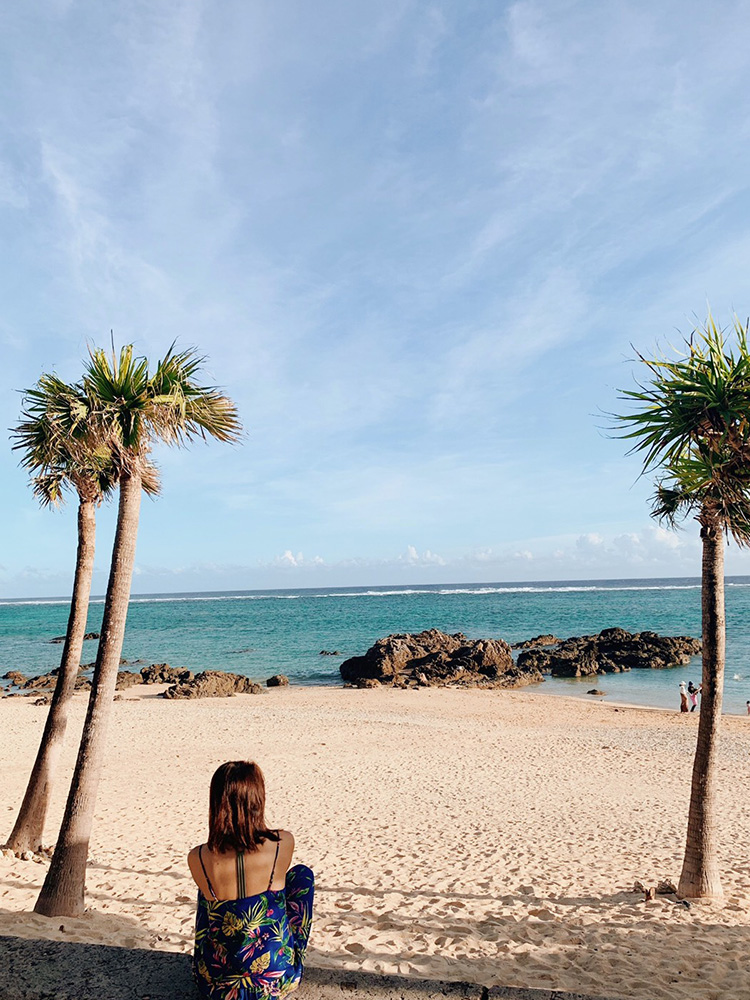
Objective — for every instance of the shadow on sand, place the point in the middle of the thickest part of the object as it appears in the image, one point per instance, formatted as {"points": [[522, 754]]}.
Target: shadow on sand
{"points": [[55, 970]]}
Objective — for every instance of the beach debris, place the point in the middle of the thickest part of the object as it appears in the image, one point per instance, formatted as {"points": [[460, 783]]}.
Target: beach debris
{"points": [[611, 651], [650, 894], [44, 700], [666, 887], [538, 640], [433, 658], [597, 692], [683, 902], [278, 680], [62, 638], [213, 684], [162, 673], [638, 886]]}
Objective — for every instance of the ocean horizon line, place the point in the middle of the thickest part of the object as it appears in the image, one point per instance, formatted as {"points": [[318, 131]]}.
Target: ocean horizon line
{"points": [[390, 590]]}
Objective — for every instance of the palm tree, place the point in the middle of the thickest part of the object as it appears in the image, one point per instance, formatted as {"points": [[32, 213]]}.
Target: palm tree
{"points": [[54, 436], [692, 422], [133, 409]]}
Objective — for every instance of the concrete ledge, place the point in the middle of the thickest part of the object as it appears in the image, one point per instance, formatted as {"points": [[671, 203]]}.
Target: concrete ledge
{"points": [[56, 970]]}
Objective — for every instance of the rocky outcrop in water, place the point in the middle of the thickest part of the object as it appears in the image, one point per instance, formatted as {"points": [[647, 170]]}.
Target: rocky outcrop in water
{"points": [[162, 673], [538, 640], [46, 682], [278, 680], [610, 652], [213, 684], [435, 659], [15, 677], [62, 638]]}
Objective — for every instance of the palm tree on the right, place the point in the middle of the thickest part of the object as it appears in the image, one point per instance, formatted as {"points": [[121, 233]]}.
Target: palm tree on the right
{"points": [[691, 421]]}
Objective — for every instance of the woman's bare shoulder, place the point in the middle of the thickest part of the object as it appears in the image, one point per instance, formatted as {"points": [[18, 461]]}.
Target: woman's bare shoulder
{"points": [[193, 857]]}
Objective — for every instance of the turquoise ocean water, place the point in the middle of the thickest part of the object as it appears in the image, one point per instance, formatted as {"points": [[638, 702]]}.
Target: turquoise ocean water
{"points": [[259, 633]]}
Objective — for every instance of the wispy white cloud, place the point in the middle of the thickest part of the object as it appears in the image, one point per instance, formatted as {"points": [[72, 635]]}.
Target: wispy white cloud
{"points": [[416, 241]]}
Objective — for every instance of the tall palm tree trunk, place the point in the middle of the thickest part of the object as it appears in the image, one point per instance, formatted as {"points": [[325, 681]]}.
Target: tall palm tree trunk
{"points": [[63, 890], [700, 868], [29, 826]]}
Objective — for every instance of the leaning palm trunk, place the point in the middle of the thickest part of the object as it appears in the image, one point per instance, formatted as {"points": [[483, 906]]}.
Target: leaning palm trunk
{"points": [[63, 890], [700, 869], [29, 826]]}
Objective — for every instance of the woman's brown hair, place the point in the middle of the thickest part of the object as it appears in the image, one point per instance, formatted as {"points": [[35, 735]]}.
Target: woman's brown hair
{"points": [[237, 807]]}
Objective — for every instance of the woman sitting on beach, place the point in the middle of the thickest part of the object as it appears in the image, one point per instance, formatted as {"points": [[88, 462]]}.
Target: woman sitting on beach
{"points": [[254, 911]]}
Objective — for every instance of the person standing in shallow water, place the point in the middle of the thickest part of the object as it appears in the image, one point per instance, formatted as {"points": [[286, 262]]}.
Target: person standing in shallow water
{"points": [[693, 691], [683, 697], [254, 910]]}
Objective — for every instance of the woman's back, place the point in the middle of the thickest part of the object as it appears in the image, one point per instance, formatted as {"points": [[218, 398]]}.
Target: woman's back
{"points": [[254, 911], [219, 875]]}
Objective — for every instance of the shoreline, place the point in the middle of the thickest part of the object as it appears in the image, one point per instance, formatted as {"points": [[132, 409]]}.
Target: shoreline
{"points": [[535, 690], [503, 831]]}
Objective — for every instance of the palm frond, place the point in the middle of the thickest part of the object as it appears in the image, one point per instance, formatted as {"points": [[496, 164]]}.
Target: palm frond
{"points": [[713, 487], [691, 421], [59, 445], [134, 408], [703, 396]]}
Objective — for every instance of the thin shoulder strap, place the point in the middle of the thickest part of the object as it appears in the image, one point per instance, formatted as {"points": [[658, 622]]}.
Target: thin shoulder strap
{"points": [[205, 873], [241, 875], [275, 859]]}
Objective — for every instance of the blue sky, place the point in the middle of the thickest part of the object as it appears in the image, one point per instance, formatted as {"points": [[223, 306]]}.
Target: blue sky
{"points": [[416, 241]]}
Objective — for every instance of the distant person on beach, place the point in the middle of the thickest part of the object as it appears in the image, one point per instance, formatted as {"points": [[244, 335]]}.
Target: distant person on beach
{"points": [[254, 911], [683, 697], [748, 707], [693, 691]]}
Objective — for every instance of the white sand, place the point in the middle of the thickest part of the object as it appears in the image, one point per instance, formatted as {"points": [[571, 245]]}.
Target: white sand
{"points": [[488, 836]]}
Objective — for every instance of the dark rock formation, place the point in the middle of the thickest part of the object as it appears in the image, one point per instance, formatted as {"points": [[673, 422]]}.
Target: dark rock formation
{"points": [[42, 681], [610, 652], [162, 673], [15, 677], [126, 679], [213, 684], [433, 658], [538, 640], [330, 652], [62, 638], [278, 680], [46, 682]]}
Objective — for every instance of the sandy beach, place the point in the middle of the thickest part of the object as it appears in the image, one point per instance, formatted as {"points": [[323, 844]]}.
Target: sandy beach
{"points": [[482, 835]]}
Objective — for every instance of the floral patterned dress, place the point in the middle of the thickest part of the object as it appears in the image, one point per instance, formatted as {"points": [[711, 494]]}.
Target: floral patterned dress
{"points": [[253, 948]]}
